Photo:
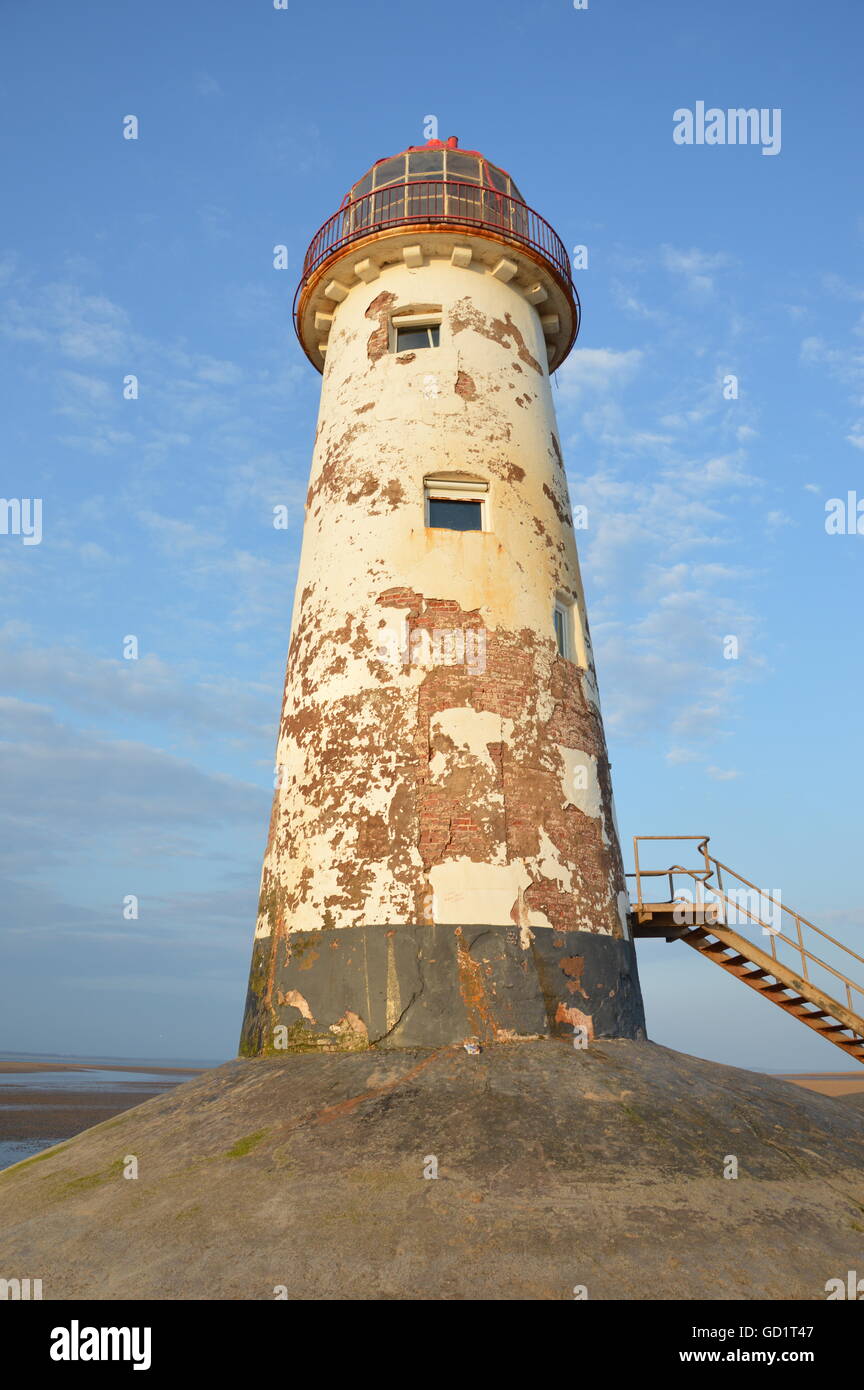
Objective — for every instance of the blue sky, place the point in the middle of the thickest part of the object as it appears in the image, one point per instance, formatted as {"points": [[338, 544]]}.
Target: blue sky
{"points": [[706, 515]]}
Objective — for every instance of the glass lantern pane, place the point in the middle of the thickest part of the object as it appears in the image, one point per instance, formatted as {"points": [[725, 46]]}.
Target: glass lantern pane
{"points": [[425, 200], [464, 201], [462, 166], [389, 171], [495, 209], [390, 203], [426, 164]]}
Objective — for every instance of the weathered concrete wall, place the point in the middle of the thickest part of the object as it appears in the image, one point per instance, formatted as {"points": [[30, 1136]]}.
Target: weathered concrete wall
{"points": [[428, 985], [422, 785]]}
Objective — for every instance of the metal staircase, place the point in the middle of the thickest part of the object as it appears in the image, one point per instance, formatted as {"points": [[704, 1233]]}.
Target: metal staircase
{"points": [[712, 913]]}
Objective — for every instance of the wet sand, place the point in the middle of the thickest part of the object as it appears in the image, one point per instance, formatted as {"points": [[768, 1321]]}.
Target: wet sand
{"points": [[34, 1117], [38, 1114], [13, 1066]]}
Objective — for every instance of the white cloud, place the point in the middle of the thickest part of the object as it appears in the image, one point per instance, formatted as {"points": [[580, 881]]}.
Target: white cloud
{"points": [[174, 535], [597, 371], [695, 267], [627, 300], [148, 688], [67, 788], [712, 474]]}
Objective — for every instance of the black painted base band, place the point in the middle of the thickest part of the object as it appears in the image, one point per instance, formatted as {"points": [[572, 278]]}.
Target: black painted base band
{"points": [[429, 986]]}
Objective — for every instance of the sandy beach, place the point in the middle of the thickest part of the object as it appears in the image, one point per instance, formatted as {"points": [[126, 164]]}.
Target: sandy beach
{"points": [[842, 1084]]}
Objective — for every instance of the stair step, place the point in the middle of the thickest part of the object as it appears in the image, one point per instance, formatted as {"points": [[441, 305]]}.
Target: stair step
{"points": [[794, 1006], [779, 983]]}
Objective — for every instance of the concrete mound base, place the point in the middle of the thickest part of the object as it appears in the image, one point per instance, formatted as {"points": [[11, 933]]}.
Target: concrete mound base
{"points": [[556, 1168]]}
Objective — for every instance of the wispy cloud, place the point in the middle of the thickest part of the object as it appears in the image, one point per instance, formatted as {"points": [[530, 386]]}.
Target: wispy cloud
{"points": [[147, 688], [589, 371], [696, 268]]}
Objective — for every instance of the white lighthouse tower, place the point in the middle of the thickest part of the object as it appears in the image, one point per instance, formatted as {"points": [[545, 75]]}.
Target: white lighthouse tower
{"points": [[443, 860]]}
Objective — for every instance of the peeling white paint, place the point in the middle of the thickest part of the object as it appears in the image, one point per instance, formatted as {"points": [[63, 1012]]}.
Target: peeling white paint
{"points": [[533, 918], [548, 864], [380, 432], [580, 782], [294, 999], [471, 731], [471, 894]]}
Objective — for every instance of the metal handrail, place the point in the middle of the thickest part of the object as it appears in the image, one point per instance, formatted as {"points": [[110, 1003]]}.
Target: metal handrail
{"points": [[712, 865], [420, 200]]}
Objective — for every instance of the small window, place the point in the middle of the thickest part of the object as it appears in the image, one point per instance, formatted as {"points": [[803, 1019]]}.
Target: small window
{"points": [[561, 633], [455, 514], [421, 329], [569, 633], [456, 503], [426, 336]]}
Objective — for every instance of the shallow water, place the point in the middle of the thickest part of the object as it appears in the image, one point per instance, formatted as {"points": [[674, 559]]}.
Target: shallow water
{"points": [[45, 1059], [15, 1150], [60, 1087], [94, 1080]]}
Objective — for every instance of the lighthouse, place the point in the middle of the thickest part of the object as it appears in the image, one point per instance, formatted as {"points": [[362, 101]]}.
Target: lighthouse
{"points": [[443, 863]]}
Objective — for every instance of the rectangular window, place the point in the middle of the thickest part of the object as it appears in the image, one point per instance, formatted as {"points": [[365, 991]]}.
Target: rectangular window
{"points": [[409, 338], [561, 633], [449, 514], [456, 503], [569, 633], [412, 331]]}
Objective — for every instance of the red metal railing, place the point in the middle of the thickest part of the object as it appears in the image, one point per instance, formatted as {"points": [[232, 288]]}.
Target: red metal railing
{"points": [[418, 200]]}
